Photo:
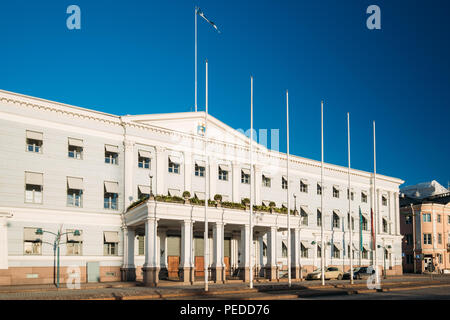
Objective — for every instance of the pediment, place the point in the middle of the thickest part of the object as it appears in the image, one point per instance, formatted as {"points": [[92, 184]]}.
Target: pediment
{"points": [[192, 123]]}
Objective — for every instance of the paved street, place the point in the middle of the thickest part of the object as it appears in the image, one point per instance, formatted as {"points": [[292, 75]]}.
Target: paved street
{"points": [[435, 293]]}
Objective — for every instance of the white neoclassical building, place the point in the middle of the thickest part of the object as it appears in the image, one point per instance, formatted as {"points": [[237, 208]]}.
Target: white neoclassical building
{"points": [[65, 168]]}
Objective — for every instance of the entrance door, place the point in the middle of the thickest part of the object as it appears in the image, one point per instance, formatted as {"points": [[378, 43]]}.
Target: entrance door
{"points": [[172, 266], [93, 271], [199, 266], [173, 255], [226, 260]]}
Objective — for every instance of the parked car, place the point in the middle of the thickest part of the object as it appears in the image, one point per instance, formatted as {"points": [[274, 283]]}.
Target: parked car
{"points": [[359, 273], [330, 273]]}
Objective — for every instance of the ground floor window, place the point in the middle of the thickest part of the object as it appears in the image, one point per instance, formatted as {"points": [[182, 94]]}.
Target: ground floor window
{"points": [[110, 243], [304, 251]]}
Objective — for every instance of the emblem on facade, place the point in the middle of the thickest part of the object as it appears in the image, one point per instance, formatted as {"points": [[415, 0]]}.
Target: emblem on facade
{"points": [[201, 128]]}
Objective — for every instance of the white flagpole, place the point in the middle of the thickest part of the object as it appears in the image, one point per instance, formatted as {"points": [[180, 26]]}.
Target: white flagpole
{"points": [[349, 202], [205, 236], [322, 246], [251, 184], [195, 14], [288, 195], [375, 215]]}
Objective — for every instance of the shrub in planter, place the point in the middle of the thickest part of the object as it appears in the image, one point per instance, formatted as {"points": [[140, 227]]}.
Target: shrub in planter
{"points": [[272, 205], [186, 194], [246, 202], [218, 197]]}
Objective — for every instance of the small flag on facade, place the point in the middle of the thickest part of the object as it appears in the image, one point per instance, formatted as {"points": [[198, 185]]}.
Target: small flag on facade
{"points": [[360, 230], [372, 229]]}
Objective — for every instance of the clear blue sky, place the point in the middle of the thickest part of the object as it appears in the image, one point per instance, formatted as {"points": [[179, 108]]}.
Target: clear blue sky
{"points": [[133, 57]]}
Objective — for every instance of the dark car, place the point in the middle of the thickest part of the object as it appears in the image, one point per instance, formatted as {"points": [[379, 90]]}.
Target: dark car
{"points": [[360, 273]]}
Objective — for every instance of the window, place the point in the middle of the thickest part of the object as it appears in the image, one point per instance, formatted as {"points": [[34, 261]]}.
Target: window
{"points": [[409, 239], [335, 192], [383, 200], [223, 174], [266, 181], [34, 141], [336, 222], [364, 197], [319, 252], [144, 159], [143, 192], [304, 217], [336, 252], [385, 226], [440, 238], [264, 249], [448, 219], [141, 245], [111, 154], [408, 219], [245, 176], [352, 194], [319, 218], [74, 192], [426, 217], [427, 238], [304, 251], [303, 187], [33, 187], [319, 189], [111, 192], [199, 171], [364, 223], [439, 257], [284, 250], [74, 243], [174, 167], [439, 218], [110, 243], [75, 148], [32, 242], [284, 184]]}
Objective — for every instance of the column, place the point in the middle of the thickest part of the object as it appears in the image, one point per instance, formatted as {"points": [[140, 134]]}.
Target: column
{"points": [[4, 239], [236, 180], [186, 267], [162, 249], [244, 265], [234, 250], [161, 170], [128, 270], [397, 213], [271, 267], [150, 268], [260, 261], [295, 253], [188, 172], [392, 221], [217, 265], [128, 167], [258, 183]]}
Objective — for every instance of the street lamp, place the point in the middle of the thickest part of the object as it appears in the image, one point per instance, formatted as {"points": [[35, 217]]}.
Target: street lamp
{"points": [[55, 245], [150, 196], [384, 259]]}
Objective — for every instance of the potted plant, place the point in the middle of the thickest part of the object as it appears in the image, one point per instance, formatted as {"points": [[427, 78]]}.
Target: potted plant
{"points": [[271, 206], [218, 199], [186, 196], [246, 202]]}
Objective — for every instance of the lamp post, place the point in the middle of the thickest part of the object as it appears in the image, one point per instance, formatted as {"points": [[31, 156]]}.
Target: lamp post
{"points": [[295, 248], [384, 260], [150, 196], [56, 244]]}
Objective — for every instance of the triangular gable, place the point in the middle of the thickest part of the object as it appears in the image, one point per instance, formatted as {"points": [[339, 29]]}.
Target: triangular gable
{"points": [[192, 123]]}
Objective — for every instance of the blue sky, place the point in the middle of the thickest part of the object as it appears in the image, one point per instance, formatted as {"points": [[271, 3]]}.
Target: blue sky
{"points": [[134, 57]]}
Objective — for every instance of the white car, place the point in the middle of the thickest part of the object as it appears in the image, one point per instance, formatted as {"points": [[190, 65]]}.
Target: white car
{"points": [[330, 273]]}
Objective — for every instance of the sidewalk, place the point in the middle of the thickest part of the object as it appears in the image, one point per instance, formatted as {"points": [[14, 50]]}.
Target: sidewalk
{"points": [[175, 290]]}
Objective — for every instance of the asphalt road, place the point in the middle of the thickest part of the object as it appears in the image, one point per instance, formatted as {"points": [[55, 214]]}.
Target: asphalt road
{"points": [[435, 293]]}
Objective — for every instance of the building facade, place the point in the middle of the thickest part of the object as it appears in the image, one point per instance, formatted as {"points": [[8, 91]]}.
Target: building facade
{"points": [[72, 169], [425, 226]]}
